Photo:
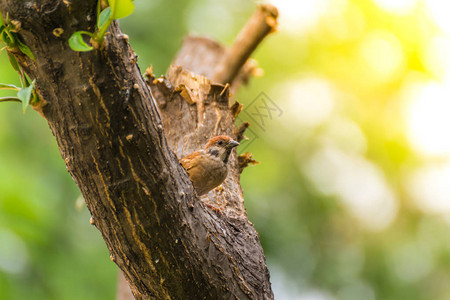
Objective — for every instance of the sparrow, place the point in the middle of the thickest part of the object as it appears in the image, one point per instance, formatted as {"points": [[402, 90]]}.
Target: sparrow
{"points": [[207, 168]]}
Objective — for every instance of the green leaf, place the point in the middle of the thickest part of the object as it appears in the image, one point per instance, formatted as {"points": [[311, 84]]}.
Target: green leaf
{"points": [[24, 94], [27, 80], [10, 99], [104, 17], [25, 49], [121, 8], [77, 43], [13, 62], [5, 86]]}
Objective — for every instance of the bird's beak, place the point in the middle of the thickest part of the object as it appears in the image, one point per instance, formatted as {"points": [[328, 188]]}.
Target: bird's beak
{"points": [[232, 144]]}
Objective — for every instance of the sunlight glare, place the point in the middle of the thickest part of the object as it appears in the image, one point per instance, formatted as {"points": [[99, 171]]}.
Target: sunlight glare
{"points": [[398, 7], [438, 11], [429, 119], [344, 21], [436, 56], [430, 188], [310, 100], [382, 52], [300, 16], [358, 183], [346, 135]]}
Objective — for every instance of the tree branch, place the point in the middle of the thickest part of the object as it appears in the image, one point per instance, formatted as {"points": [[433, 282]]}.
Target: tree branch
{"points": [[257, 28]]}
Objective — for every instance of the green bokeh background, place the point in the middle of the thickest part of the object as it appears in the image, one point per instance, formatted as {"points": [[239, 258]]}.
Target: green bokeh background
{"points": [[320, 240]]}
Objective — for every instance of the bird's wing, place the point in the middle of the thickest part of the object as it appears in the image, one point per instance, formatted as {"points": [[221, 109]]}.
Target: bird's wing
{"points": [[191, 160]]}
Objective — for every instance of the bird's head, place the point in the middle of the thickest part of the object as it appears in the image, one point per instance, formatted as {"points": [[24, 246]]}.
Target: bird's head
{"points": [[220, 146]]}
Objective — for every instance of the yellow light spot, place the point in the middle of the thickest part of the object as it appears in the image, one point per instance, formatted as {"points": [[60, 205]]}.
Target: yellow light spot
{"points": [[382, 54]]}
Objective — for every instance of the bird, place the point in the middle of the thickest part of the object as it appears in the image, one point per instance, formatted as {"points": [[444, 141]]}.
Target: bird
{"points": [[207, 168]]}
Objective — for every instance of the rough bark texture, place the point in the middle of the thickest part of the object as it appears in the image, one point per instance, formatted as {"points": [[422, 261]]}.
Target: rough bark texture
{"points": [[118, 145]]}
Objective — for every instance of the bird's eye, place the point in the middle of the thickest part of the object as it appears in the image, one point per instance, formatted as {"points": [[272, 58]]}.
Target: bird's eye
{"points": [[220, 143]]}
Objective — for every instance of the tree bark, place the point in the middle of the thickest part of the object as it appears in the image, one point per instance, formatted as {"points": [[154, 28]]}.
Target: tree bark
{"points": [[117, 137]]}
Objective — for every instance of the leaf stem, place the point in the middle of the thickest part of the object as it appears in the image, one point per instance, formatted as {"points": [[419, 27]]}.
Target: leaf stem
{"points": [[87, 33], [98, 37], [10, 99]]}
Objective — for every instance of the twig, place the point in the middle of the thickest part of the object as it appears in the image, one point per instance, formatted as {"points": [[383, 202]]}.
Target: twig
{"points": [[240, 131], [260, 24], [244, 160]]}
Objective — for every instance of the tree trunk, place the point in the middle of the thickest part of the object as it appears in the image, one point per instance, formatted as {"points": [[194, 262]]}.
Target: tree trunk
{"points": [[117, 137]]}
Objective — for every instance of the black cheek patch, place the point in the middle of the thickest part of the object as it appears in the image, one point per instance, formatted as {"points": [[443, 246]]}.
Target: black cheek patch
{"points": [[214, 152]]}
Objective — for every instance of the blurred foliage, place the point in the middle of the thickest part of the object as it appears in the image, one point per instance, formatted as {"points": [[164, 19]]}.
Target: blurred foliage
{"points": [[352, 198]]}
